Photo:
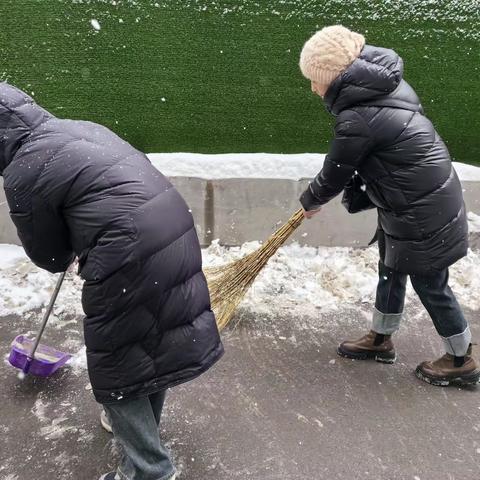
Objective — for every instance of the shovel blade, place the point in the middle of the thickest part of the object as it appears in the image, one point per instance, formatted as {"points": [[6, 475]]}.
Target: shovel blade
{"points": [[46, 362]]}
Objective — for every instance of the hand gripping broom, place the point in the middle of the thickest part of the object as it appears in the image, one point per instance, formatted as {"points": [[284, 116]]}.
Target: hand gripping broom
{"points": [[229, 283]]}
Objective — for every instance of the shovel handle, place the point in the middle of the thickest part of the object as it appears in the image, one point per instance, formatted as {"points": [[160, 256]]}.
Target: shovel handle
{"points": [[48, 311]]}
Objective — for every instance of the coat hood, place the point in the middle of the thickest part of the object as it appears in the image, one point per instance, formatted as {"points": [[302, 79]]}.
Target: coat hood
{"points": [[19, 115], [377, 72]]}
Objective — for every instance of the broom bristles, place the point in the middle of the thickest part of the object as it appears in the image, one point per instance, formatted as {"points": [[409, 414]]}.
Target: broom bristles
{"points": [[229, 283]]}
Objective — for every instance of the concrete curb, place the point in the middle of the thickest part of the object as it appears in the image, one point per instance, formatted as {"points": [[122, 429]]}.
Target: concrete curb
{"points": [[240, 210]]}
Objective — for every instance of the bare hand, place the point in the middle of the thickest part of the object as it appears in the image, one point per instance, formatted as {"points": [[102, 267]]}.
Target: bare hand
{"points": [[310, 213]]}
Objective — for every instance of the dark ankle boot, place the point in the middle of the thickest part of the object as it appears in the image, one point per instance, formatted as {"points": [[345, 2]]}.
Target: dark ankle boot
{"points": [[449, 369], [371, 346]]}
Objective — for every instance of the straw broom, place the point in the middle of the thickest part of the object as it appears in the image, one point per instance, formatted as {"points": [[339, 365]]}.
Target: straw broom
{"points": [[229, 283]]}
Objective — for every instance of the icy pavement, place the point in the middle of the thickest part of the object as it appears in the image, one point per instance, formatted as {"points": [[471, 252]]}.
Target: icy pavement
{"points": [[280, 404]]}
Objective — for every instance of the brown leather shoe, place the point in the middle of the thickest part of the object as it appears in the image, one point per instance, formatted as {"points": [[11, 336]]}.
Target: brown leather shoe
{"points": [[449, 369], [371, 346]]}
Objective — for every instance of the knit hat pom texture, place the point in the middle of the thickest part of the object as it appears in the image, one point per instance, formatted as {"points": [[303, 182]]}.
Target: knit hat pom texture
{"points": [[329, 52]]}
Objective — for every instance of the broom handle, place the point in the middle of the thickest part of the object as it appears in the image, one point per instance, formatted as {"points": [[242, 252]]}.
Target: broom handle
{"points": [[48, 311], [284, 232], [294, 221]]}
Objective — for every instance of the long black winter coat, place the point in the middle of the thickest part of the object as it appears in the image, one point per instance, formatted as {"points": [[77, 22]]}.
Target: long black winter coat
{"points": [[75, 188], [382, 134]]}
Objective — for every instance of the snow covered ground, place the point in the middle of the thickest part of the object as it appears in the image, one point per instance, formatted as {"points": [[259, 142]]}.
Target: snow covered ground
{"points": [[306, 280], [309, 279]]}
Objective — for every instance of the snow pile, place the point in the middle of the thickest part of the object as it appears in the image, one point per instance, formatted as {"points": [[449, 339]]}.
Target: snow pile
{"points": [[309, 280], [10, 255], [257, 165], [24, 287], [305, 278], [325, 279]]}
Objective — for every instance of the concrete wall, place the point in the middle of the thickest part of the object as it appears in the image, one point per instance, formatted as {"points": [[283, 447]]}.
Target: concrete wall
{"points": [[241, 210], [8, 233]]}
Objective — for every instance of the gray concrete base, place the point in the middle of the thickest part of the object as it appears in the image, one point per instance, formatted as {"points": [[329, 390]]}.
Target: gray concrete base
{"points": [[280, 405], [8, 232], [241, 210]]}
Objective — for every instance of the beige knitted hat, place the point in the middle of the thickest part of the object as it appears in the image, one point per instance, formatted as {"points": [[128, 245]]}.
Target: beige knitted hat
{"points": [[329, 52]]}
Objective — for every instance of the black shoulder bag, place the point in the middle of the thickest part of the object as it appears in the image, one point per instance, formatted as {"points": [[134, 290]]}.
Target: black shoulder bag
{"points": [[355, 198]]}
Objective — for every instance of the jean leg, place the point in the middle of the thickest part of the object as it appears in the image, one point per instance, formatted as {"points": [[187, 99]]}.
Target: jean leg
{"points": [[390, 300], [157, 400], [135, 428], [444, 310]]}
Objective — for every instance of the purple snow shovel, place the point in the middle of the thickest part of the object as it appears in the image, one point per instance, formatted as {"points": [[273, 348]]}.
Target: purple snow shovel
{"points": [[32, 357]]}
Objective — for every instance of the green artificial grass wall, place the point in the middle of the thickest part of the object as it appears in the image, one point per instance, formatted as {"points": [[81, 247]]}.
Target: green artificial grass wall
{"points": [[222, 75]]}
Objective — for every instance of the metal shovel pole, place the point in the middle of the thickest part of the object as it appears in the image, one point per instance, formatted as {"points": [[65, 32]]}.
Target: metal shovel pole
{"points": [[48, 311]]}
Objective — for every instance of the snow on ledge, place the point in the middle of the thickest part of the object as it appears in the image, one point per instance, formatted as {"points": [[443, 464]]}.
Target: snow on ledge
{"points": [[467, 173], [257, 165], [238, 165]]}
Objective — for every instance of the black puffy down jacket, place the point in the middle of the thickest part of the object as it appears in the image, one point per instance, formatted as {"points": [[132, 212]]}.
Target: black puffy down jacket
{"points": [[382, 134], [75, 188]]}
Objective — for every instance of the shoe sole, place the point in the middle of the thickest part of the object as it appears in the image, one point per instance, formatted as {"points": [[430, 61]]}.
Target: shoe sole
{"points": [[380, 357], [472, 379], [115, 477]]}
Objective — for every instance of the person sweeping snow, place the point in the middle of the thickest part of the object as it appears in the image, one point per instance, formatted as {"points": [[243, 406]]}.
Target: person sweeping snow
{"points": [[387, 155], [75, 188]]}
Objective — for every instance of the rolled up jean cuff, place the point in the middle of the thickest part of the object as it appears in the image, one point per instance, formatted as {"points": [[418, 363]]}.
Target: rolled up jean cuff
{"points": [[386, 323], [458, 344]]}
